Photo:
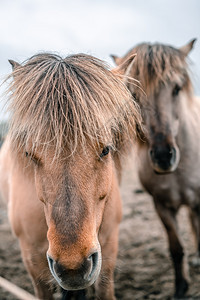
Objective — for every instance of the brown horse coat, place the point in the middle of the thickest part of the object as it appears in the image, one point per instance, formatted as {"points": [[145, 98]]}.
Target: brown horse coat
{"points": [[169, 153], [71, 122]]}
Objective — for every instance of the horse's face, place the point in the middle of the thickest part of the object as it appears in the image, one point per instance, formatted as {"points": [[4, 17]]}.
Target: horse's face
{"points": [[161, 118], [160, 110], [74, 191], [162, 72]]}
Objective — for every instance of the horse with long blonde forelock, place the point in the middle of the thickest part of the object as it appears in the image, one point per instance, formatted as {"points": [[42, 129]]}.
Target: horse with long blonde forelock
{"points": [[170, 152], [71, 122]]}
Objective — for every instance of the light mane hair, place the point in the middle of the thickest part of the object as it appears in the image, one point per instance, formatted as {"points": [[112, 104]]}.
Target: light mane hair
{"points": [[157, 64], [70, 102]]}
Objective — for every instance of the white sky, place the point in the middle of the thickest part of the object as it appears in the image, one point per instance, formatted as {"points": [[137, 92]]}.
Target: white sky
{"points": [[97, 27]]}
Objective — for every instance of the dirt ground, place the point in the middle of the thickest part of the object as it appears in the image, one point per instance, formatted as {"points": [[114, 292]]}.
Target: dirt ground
{"points": [[143, 269]]}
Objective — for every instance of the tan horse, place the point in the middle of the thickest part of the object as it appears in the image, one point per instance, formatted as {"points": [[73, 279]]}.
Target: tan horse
{"points": [[71, 121], [170, 154]]}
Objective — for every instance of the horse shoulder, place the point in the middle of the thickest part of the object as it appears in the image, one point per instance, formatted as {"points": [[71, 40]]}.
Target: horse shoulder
{"points": [[5, 162], [25, 211]]}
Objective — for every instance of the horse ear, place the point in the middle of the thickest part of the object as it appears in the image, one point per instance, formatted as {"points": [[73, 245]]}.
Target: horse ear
{"points": [[125, 68], [116, 59], [188, 47], [14, 64]]}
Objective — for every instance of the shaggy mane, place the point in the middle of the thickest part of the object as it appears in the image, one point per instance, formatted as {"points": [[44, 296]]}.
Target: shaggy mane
{"points": [[68, 103], [157, 63]]}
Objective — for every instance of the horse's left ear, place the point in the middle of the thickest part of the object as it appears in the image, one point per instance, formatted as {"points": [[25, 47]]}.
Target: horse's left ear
{"points": [[188, 47], [14, 64], [116, 59]]}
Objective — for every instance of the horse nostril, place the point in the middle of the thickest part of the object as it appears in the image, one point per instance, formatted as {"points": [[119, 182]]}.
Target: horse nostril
{"points": [[87, 269], [163, 156], [78, 277], [151, 152], [93, 259], [162, 153], [55, 267], [51, 263], [172, 153]]}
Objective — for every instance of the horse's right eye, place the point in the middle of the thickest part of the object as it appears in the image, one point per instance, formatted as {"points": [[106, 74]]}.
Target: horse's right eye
{"points": [[176, 90], [33, 158], [134, 95]]}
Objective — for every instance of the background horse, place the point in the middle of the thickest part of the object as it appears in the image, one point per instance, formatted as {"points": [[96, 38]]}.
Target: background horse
{"points": [[170, 151], [71, 120]]}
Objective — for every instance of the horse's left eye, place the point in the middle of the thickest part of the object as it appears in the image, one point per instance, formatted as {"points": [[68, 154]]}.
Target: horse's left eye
{"points": [[105, 151], [176, 90]]}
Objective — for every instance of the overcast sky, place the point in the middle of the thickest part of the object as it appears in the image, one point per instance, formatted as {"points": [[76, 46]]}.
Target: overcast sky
{"points": [[97, 27]]}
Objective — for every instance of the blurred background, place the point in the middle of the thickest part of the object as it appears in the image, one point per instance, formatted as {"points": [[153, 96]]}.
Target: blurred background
{"points": [[96, 27]]}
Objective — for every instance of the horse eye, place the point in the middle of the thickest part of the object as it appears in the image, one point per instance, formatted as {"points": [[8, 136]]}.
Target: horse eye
{"points": [[134, 95], [176, 90], [32, 157], [105, 151]]}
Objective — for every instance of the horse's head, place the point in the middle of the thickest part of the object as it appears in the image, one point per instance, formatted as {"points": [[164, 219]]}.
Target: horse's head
{"points": [[74, 190], [162, 89], [70, 117]]}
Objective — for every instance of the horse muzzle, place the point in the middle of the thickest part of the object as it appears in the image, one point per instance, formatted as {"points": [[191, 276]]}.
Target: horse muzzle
{"points": [[164, 159], [81, 277]]}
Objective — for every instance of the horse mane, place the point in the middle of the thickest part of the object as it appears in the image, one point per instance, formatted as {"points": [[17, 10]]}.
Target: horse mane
{"points": [[156, 64], [69, 102]]}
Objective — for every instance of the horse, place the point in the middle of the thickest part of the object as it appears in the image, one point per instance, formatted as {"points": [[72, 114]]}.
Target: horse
{"points": [[168, 152], [71, 123]]}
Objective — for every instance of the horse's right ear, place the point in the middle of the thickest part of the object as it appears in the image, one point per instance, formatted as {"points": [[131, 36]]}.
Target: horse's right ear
{"points": [[14, 64], [125, 68]]}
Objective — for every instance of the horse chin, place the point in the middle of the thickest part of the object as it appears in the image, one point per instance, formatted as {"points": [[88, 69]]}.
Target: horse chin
{"points": [[159, 171], [162, 172], [69, 287]]}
